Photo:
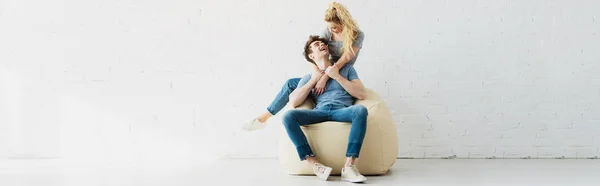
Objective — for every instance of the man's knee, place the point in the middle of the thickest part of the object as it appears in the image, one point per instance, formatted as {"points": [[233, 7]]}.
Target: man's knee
{"points": [[289, 116], [361, 110]]}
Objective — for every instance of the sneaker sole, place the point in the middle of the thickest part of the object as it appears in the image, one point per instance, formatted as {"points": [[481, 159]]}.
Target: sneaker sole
{"points": [[354, 181]]}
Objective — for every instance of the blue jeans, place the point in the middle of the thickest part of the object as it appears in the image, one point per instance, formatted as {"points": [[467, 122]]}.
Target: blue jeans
{"points": [[357, 114], [283, 96]]}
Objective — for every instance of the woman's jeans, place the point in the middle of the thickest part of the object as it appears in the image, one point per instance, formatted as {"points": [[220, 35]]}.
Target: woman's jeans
{"points": [[357, 114], [284, 96]]}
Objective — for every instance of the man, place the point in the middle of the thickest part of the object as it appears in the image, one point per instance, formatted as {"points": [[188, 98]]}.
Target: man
{"points": [[334, 104]]}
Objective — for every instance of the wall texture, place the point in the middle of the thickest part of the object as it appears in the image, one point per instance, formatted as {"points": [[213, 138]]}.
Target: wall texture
{"points": [[162, 80]]}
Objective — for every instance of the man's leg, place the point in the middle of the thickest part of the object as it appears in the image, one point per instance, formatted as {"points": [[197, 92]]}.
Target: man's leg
{"points": [[293, 119], [276, 105], [357, 114]]}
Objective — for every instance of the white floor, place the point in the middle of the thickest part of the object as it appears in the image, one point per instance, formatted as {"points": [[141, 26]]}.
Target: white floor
{"points": [[463, 172]]}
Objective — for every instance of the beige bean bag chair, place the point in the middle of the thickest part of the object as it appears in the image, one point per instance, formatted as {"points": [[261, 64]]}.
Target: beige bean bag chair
{"points": [[329, 140]]}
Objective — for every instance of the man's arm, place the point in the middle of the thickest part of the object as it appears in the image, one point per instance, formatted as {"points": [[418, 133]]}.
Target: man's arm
{"points": [[299, 94], [354, 87]]}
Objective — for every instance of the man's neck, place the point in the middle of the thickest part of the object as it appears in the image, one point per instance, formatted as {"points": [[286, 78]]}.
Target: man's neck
{"points": [[323, 64]]}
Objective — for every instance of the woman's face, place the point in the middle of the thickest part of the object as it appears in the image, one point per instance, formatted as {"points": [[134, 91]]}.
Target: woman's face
{"points": [[335, 28]]}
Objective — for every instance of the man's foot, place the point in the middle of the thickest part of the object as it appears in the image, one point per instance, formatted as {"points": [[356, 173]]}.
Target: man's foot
{"points": [[253, 124], [322, 171], [351, 174]]}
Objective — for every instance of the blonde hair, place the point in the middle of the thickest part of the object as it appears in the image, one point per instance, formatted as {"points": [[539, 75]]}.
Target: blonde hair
{"points": [[337, 13]]}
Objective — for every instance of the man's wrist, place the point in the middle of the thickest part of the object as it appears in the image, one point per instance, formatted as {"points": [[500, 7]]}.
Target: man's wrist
{"points": [[316, 79], [336, 77]]}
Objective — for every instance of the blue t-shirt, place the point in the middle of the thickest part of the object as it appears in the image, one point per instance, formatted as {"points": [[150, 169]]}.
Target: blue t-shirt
{"points": [[335, 95]]}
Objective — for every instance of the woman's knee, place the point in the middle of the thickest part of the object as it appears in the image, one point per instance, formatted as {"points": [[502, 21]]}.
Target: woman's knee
{"points": [[291, 83]]}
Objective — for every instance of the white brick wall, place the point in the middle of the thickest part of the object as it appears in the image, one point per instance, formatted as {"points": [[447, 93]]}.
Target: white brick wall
{"points": [[130, 79]]}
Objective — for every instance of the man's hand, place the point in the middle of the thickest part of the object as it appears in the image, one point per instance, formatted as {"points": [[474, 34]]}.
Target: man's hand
{"points": [[315, 76], [333, 72], [320, 87]]}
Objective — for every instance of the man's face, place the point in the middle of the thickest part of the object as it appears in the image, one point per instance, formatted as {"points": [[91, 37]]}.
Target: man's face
{"points": [[319, 50]]}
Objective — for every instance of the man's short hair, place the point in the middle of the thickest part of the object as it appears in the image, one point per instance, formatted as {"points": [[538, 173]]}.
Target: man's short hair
{"points": [[307, 49]]}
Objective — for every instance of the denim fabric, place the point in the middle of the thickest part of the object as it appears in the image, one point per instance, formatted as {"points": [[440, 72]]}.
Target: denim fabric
{"points": [[283, 96], [357, 114]]}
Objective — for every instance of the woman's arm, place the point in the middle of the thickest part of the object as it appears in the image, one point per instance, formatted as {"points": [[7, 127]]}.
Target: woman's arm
{"points": [[346, 57], [349, 56]]}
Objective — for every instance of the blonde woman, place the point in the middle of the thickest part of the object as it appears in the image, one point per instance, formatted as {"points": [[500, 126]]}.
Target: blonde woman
{"points": [[344, 42]]}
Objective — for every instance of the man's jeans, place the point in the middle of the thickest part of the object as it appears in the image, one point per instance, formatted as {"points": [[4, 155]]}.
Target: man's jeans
{"points": [[284, 96], [357, 114]]}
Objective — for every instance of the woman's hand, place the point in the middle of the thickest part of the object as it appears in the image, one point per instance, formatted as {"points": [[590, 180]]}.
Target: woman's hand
{"points": [[333, 72]]}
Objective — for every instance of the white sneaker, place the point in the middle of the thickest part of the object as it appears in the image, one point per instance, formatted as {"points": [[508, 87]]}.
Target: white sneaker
{"points": [[351, 174], [253, 124], [322, 171]]}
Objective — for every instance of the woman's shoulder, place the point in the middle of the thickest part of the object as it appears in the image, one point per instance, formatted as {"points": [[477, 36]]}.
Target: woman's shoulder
{"points": [[325, 29], [325, 33], [359, 32], [360, 36]]}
